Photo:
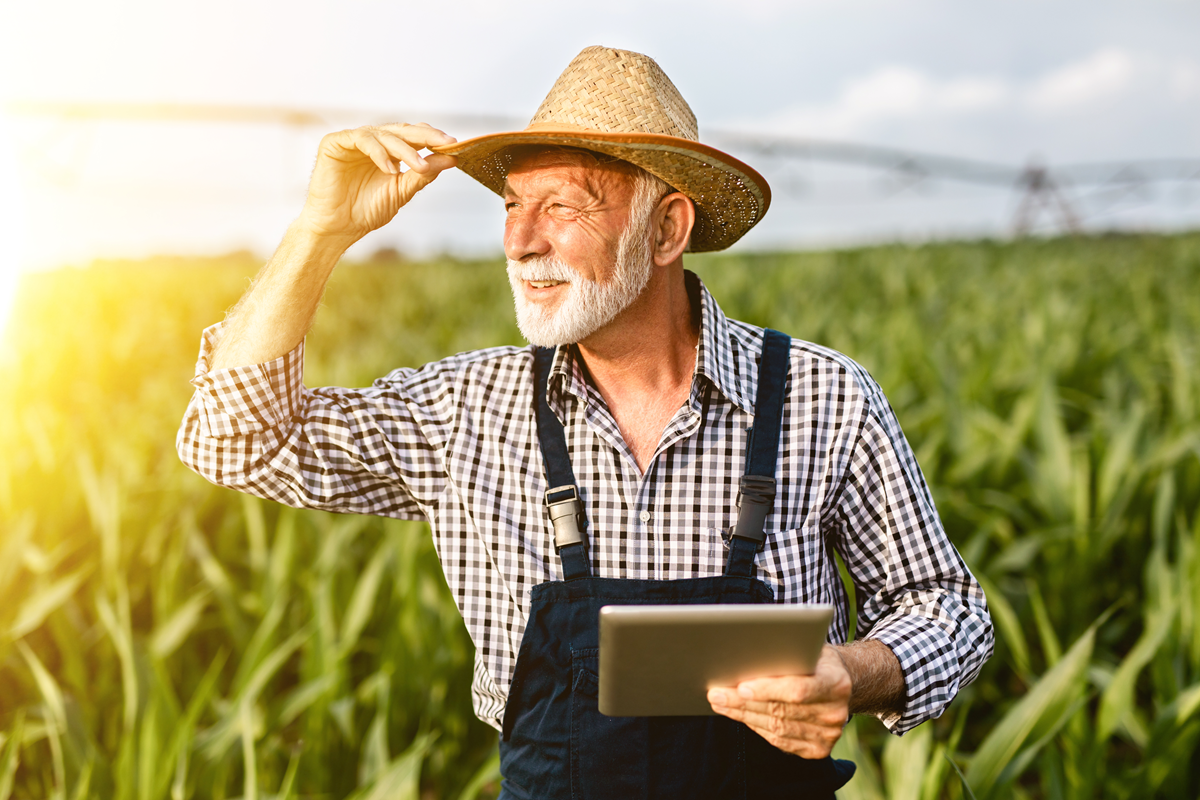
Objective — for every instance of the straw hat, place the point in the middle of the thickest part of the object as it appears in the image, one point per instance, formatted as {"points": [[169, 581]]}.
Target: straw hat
{"points": [[623, 105]]}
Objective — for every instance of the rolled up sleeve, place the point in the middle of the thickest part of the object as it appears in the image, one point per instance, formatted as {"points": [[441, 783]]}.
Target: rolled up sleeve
{"points": [[258, 429], [914, 592]]}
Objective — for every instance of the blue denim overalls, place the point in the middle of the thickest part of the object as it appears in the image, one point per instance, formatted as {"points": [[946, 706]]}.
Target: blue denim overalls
{"points": [[555, 742]]}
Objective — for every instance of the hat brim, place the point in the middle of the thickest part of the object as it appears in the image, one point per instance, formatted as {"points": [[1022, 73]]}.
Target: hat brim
{"points": [[730, 197]]}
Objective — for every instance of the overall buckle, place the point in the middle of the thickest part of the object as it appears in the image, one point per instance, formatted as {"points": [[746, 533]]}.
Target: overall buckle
{"points": [[566, 512], [756, 497]]}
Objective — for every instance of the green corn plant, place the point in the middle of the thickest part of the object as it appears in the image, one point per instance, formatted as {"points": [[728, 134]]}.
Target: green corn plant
{"points": [[160, 637]]}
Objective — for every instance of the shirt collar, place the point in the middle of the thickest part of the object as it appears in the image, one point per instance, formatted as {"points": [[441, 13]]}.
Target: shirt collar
{"points": [[719, 358]]}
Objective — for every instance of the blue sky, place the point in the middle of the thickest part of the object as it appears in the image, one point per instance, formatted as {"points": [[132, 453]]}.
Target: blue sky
{"points": [[1060, 81]]}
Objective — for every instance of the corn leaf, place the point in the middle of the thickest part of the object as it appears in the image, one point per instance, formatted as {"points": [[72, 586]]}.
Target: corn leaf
{"points": [[905, 759], [401, 780], [1045, 700], [488, 773], [167, 637], [1007, 624], [11, 758], [362, 602], [866, 783], [45, 601], [1117, 700]]}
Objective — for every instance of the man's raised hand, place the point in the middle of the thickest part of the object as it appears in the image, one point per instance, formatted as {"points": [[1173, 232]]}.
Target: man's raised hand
{"points": [[356, 187], [357, 184]]}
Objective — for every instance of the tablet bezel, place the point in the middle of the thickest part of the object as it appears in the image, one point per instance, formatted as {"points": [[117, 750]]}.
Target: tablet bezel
{"points": [[660, 660]]}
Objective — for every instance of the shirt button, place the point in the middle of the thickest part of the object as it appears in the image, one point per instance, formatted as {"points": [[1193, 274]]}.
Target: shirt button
{"points": [[644, 516]]}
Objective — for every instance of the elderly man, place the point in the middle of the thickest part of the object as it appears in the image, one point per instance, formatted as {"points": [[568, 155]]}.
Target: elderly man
{"points": [[613, 461]]}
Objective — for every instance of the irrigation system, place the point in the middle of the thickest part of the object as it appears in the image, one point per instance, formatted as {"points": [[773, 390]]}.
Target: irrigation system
{"points": [[1041, 189]]}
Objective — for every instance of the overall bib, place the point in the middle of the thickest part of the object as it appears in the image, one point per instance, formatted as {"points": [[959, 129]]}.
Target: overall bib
{"points": [[555, 742]]}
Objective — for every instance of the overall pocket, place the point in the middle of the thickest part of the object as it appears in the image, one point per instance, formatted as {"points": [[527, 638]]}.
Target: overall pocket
{"points": [[649, 757], [608, 754]]}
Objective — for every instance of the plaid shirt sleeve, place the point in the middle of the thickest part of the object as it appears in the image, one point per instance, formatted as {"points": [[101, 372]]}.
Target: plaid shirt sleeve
{"points": [[914, 592], [258, 429]]}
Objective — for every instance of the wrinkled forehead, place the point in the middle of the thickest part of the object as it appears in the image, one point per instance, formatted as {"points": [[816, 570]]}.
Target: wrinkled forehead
{"points": [[595, 170]]}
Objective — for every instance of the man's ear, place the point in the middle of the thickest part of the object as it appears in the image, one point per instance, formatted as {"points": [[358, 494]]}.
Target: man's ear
{"points": [[673, 221]]}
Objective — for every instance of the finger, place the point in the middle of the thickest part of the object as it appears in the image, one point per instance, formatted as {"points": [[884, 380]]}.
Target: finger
{"points": [[830, 714], [727, 703], [412, 181], [726, 697], [814, 749], [788, 689], [421, 135], [807, 739], [825, 715], [401, 150], [367, 144], [440, 162]]}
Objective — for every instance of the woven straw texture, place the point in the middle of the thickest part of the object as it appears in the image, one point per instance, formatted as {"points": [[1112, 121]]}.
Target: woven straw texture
{"points": [[617, 91], [623, 105]]}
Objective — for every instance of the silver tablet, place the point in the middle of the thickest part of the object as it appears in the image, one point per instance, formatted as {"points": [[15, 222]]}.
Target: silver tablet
{"points": [[662, 660]]}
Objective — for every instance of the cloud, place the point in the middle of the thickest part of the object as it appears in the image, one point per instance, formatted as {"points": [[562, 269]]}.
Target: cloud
{"points": [[1184, 81], [1110, 103], [1106, 74], [893, 92]]}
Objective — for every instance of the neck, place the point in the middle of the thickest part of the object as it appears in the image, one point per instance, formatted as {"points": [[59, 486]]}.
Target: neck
{"points": [[642, 363]]}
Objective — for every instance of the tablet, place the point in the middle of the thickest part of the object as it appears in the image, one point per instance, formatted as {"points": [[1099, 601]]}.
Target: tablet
{"points": [[662, 660]]}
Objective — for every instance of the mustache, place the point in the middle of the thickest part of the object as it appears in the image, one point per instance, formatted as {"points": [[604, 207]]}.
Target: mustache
{"points": [[541, 268]]}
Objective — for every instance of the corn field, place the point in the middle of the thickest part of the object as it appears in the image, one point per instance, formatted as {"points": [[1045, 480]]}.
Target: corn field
{"points": [[164, 638]]}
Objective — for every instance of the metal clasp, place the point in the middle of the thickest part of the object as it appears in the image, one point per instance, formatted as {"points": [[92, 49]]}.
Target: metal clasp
{"points": [[566, 512]]}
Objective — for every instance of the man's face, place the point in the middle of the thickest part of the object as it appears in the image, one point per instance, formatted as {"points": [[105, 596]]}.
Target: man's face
{"points": [[574, 260]]}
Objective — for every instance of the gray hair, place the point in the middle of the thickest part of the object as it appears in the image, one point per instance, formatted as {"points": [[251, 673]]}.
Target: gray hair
{"points": [[647, 191]]}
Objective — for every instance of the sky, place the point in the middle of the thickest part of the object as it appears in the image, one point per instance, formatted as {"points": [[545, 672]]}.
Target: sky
{"points": [[1014, 81]]}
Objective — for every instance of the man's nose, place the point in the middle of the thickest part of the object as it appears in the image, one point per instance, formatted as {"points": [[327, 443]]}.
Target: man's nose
{"points": [[523, 237]]}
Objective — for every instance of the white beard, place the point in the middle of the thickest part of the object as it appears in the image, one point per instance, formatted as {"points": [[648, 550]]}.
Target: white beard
{"points": [[589, 305]]}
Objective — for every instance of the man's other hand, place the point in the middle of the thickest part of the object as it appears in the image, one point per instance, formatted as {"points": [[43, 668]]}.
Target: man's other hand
{"points": [[805, 714], [357, 184], [802, 714]]}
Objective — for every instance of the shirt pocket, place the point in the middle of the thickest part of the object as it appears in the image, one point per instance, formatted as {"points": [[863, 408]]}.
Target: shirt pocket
{"points": [[796, 565], [709, 553]]}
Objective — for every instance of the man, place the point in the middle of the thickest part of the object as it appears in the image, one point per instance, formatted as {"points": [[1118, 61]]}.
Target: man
{"points": [[645, 405]]}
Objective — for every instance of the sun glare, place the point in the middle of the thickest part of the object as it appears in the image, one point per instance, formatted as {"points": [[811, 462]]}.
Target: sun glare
{"points": [[12, 229], [12, 226]]}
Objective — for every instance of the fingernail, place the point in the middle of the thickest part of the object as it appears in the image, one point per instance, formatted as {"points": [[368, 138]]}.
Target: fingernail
{"points": [[717, 698], [745, 692]]}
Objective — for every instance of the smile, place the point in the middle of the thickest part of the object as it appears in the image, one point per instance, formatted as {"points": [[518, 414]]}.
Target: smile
{"points": [[545, 284]]}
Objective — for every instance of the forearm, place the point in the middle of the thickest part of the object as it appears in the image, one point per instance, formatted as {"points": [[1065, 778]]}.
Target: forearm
{"points": [[875, 676], [276, 313], [356, 187]]}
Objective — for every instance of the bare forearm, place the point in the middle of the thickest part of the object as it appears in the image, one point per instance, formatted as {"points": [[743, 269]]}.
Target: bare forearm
{"points": [[277, 311], [875, 675], [356, 187]]}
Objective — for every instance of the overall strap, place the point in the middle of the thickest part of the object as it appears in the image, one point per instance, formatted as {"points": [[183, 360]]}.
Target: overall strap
{"points": [[756, 489], [562, 498]]}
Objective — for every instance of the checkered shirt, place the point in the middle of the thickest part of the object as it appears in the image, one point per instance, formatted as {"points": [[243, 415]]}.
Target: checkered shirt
{"points": [[454, 442]]}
